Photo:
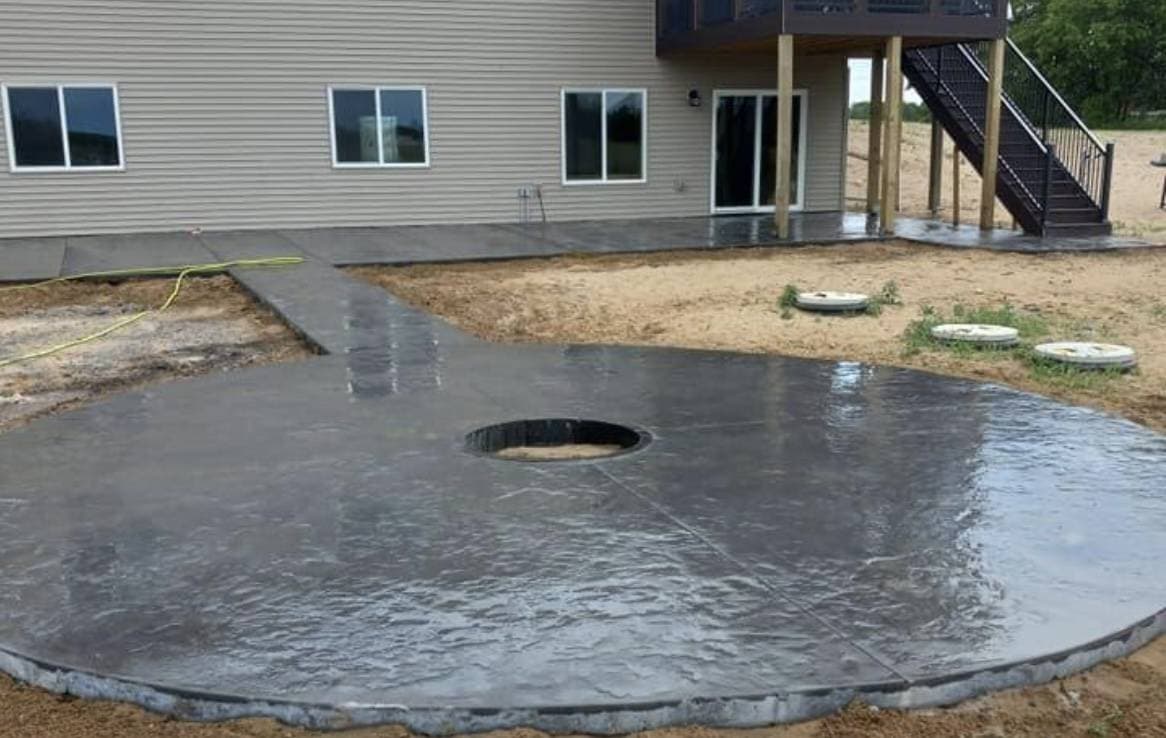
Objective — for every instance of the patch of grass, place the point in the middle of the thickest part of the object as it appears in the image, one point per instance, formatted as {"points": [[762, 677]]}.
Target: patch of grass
{"points": [[1033, 329], [788, 301], [1102, 728], [789, 296], [1030, 325], [886, 297], [1067, 377], [918, 335]]}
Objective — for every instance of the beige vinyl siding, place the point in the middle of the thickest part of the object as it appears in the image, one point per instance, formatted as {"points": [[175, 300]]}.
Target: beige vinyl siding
{"points": [[224, 110]]}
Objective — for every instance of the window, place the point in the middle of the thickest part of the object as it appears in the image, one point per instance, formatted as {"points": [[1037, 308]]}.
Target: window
{"points": [[52, 128], [604, 136], [379, 127]]}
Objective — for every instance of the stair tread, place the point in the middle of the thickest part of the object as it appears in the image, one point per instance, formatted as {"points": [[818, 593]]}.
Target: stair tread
{"points": [[958, 99]]}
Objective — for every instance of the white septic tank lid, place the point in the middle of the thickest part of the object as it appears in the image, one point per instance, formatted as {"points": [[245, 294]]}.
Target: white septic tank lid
{"points": [[1089, 355], [980, 334], [833, 302]]}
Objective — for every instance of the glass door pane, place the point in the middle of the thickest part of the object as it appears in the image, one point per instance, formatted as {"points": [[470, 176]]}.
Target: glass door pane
{"points": [[769, 150], [736, 151]]}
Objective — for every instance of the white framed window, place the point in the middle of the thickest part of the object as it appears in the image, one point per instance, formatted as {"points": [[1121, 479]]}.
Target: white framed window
{"points": [[379, 126], [605, 136], [59, 128]]}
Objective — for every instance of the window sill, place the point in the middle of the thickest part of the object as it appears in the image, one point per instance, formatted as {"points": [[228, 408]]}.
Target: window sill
{"points": [[65, 170], [344, 167], [602, 182]]}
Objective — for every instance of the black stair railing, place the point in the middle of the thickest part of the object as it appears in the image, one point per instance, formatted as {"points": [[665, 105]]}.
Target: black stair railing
{"points": [[955, 69], [1064, 136]]}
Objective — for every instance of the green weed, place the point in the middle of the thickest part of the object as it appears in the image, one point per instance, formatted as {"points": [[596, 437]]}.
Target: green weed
{"points": [[1033, 329], [1102, 727]]}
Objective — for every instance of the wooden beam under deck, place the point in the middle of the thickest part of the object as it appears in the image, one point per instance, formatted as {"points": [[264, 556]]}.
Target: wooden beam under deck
{"points": [[893, 135], [785, 118], [992, 136], [875, 143]]}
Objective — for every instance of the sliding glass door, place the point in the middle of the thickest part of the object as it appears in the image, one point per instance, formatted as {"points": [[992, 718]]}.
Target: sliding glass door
{"points": [[745, 148]]}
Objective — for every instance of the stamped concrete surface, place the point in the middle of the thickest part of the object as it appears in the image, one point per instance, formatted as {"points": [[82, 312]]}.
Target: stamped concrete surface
{"points": [[314, 542], [27, 259]]}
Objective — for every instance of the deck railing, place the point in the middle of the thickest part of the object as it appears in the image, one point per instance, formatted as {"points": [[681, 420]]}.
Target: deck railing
{"points": [[1064, 136], [938, 18]]}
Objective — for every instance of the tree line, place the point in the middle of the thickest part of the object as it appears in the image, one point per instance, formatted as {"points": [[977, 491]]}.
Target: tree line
{"points": [[1107, 58]]}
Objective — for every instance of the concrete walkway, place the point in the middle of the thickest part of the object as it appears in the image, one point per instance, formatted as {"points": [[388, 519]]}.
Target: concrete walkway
{"points": [[28, 259]]}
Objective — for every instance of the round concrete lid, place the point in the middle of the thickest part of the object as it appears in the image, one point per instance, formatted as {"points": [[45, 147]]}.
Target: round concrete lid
{"points": [[1089, 355], [977, 333], [826, 301]]}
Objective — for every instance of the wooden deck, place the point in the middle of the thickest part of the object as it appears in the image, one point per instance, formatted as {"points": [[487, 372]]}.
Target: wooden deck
{"points": [[824, 25]]}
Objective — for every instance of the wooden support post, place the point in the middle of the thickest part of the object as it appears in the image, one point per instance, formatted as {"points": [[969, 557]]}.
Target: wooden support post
{"points": [[874, 171], [955, 184], [785, 117], [992, 135], [935, 181], [893, 134]]}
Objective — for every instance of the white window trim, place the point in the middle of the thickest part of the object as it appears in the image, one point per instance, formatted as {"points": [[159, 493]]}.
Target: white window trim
{"points": [[803, 140], [603, 92], [14, 168], [376, 90]]}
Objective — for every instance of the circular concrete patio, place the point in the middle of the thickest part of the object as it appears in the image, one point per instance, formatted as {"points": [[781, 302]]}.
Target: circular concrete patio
{"points": [[314, 542]]}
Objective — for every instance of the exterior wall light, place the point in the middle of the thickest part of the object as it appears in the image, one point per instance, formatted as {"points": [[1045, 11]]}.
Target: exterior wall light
{"points": [[694, 98]]}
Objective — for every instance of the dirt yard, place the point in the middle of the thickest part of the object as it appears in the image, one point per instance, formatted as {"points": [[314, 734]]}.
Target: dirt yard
{"points": [[214, 326], [1136, 192]]}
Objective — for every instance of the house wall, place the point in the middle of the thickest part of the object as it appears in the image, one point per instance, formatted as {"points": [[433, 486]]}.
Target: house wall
{"points": [[225, 117]]}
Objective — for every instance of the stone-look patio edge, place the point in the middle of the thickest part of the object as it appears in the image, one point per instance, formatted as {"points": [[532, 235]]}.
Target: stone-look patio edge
{"points": [[751, 711]]}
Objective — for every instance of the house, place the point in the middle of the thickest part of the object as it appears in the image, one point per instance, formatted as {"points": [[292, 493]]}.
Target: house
{"points": [[124, 116]]}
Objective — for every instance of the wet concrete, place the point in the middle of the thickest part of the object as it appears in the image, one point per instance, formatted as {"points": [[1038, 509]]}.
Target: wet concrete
{"points": [[44, 258], [315, 542]]}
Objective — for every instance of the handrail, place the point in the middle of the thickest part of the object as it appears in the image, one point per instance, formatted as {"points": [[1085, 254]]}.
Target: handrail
{"points": [[1053, 125], [1053, 90], [937, 70], [1007, 101]]}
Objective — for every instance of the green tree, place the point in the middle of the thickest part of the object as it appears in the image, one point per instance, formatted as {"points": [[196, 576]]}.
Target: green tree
{"points": [[1107, 57]]}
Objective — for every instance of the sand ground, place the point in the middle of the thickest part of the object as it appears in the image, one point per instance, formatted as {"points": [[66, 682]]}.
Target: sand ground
{"points": [[1136, 192]]}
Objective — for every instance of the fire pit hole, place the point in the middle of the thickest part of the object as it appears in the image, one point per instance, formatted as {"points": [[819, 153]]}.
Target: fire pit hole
{"points": [[555, 439]]}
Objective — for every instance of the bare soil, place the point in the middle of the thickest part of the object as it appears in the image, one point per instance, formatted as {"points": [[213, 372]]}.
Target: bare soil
{"points": [[1137, 186], [566, 452], [729, 301], [214, 326]]}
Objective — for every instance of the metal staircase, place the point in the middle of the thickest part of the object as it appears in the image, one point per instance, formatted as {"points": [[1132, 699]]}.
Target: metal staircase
{"points": [[1054, 174]]}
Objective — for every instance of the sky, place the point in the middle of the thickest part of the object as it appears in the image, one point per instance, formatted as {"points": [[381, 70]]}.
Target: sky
{"points": [[860, 83]]}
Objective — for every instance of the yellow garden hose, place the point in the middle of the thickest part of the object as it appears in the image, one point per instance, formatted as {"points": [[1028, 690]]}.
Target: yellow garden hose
{"points": [[182, 271]]}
